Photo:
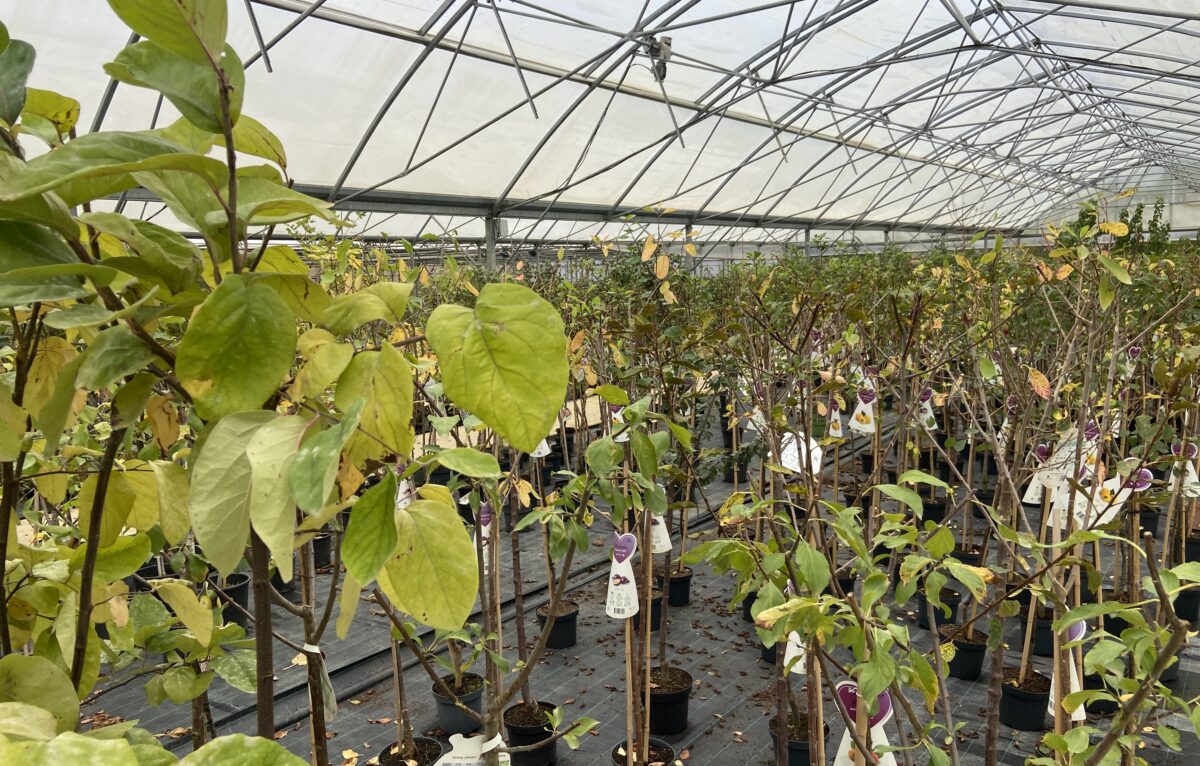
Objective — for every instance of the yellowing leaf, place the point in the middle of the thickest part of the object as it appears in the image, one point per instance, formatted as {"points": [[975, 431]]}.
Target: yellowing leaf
{"points": [[1115, 228], [662, 265], [195, 616], [690, 249], [668, 296], [1039, 383], [649, 248]]}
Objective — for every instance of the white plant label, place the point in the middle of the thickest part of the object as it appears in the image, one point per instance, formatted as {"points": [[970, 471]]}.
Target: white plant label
{"points": [[1110, 498], [622, 601], [469, 751], [847, 692], [1188, 484], [485, 530], [405, 494], [863, 420], [798, 459], [925, 416], [618, 420], [795, 657], [833, 425], [542, 450], [1074, 633], [660, 535]]}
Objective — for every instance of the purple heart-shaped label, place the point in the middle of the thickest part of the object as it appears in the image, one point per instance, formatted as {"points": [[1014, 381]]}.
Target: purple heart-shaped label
{"points": [[1092, 431], [1042, 452], [847, 692], [1076, 631], [1135, 352], [926, 394], [485, 513], [1178, 449], [1141, 480], [624, 546], [866, 395]]}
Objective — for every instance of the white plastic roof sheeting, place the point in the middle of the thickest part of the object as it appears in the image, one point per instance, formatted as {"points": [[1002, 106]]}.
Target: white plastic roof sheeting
{"points": [[773, 116]]}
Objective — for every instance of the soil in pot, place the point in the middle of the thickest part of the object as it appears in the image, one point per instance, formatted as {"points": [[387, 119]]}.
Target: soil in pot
{"points": [[660, 752], [566, 623], [670, 690], [527, 725], [680, 591], [1024, 707], [797, 740], [452, 720], [427, 752], [969, 652], [950, 598]]}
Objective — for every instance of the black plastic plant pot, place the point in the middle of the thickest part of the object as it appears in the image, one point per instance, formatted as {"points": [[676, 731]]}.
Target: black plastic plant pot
{"points": [[452, 720], [1043, 637], [1191, 548], [237, 587], [290, 589], [1171, 674], [747, 604], [566, 624], [322, 546], [768, 653], [950, 598], [147, 571], [669, 695], [655, 613], [933, 510], [1094, 682], [968, 654], [1151, 521], [969, 557], [660, 752], [1187, 605], [679, 593], [797, 749], [428, 751], [523, 731], [1024, 707]]}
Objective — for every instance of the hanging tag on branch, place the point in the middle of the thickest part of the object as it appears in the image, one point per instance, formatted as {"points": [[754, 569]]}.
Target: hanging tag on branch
{"points": [[1034, 490], [405, 494], [660, 535], [484, 528], [925, 417], [833, 424], [801, 459], [622, 601], [863, 420], [618, 421], [1074, 633], [847, 693], [1189, 485], [540, 451]]}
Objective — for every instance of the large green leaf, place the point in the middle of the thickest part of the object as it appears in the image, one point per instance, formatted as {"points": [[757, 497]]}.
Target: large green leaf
{"points": [[384, 301], [241, 750], [169, 258], [252, 137], [237, 667], [192, 87], [433, 575], [272, 508], [116, 561], [38, 681], [62, 112], [371, 536], [470, 462], [26, 245], [172, 482], [25, 721], [265, 201], [73, 748], [16, 62], [505, 361], [283, 271], [220, 489], [382, 381], [114, 353], [47, 208], [105, 155], [314, 469], [196, 617], [191, 28], [237, 349]]}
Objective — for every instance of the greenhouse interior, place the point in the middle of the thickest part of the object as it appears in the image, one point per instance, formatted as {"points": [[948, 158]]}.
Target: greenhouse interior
{"points": [[600, 382]]}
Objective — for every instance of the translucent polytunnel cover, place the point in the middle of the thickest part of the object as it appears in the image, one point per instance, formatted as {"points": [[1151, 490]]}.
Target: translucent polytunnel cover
{"points": [[744, 119]]}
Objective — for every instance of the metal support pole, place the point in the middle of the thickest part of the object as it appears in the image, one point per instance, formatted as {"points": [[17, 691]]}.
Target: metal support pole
{"points": [[807, 246], [489, 240]]}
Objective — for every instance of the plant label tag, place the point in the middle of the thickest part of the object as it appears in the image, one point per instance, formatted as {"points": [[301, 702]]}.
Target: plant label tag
{"points": [[1074, 633], [795, 657], [485, 530], [798, 459], [618, 420], [540, 451], [847, 693], [925, 417], [660, 536], [469, 751], [833, 425], [1187, 484], [405, 494], [1110, 498], [1033, 493], [863, 420], [622, 602]]}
